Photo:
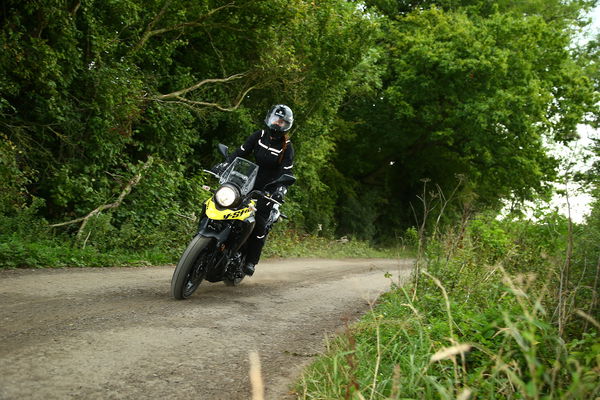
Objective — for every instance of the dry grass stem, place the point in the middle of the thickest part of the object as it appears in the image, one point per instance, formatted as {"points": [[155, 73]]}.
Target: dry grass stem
{"points": [[451, 352], [588, 318], [414, 310], [377, 363], [465, 394], [258, 390], [446, 299], [395, 383]]}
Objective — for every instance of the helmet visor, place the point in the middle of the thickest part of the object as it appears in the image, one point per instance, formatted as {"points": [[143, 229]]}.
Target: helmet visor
{"points": [[278, 123], [280, 118]]}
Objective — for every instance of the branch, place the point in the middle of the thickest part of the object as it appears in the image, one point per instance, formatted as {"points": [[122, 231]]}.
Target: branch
{"points": [[216, 105], [565, 270], [134, 181], [217, 52], [199, 85], [192, 103], [594, 292], [75, 7], [149, 32]]}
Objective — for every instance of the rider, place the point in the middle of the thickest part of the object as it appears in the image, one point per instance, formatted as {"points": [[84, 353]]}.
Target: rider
{"points": [[274, 155]]}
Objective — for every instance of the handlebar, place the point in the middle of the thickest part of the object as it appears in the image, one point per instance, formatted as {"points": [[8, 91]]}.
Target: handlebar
{"points": [[212, 173], [251, 194], [264, 196], [273, 200]]}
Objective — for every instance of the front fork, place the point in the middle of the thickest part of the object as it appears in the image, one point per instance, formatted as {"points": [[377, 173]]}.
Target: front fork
{"points": [[236, 252], [230, 237]]}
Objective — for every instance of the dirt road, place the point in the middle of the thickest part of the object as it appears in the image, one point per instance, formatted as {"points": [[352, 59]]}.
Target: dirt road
{"points": [[114, 333]]}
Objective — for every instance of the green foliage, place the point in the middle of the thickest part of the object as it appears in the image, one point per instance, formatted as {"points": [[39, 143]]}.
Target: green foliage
{"points": [[24, 222], [479, 324], [13, 178], [470, 88], [90, 90], [289, 243], [398, 339], [492, 241], [41, 253], [385, 94], [28, 241]]}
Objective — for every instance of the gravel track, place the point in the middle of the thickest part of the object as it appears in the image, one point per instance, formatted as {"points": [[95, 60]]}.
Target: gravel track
{"points": [[114, 333]]}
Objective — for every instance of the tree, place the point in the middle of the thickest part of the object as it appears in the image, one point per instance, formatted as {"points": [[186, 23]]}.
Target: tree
{"points": [[466, 93], [89, 90]]}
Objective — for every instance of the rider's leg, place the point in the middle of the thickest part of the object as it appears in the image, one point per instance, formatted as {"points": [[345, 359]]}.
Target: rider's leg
{"points": [[257, 240]]}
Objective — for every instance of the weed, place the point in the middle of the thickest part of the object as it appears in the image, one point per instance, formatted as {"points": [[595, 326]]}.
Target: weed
{"points": [[481, 325]]}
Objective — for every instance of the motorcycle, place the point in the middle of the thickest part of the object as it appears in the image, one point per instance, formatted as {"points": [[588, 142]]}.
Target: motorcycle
{"points": [[218, 250]]}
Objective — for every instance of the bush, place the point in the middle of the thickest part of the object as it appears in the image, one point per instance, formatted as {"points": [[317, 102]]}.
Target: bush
{"points": [[479, 322]]}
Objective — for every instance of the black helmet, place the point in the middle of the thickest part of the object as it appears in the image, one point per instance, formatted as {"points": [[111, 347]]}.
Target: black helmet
{"points": [[280, 118]]}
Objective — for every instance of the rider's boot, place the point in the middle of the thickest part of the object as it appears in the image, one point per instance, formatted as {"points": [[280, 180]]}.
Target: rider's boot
{"points": [[248, 268]]}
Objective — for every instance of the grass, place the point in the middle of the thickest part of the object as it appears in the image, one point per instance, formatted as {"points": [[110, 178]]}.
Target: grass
{"points": [[477, 322], [46, 251], [26, 241], [294, 244], [53, 254], [437, 347]]}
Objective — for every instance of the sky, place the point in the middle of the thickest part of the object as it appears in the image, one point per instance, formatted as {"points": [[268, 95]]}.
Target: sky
{"points": [[579, 200], [595, 14]]}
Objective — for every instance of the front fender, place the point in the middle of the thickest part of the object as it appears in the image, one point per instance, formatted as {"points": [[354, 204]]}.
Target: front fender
{"points": [[205, 229]]}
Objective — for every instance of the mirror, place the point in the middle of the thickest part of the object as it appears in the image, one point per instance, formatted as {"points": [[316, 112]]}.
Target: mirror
{"points": [[284, 179], [224, 150]]}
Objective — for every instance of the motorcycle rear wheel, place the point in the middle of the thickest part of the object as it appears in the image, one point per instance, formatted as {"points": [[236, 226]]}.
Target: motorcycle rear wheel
{"points": [[191, 268]]}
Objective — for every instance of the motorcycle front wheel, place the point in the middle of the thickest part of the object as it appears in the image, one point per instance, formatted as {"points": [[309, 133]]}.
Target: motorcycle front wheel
{"points": [[191, 268]]}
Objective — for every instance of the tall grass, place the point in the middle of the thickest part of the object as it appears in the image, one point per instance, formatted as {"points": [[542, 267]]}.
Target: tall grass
{"points": [[292, 243], [28, 241], [478, 321]]}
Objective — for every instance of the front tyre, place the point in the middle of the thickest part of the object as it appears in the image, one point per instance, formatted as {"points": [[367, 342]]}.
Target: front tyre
{"points": [[191, 268]]}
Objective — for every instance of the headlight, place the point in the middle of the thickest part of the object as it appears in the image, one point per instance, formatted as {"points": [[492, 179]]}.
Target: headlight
{"points": [[226, 196]]}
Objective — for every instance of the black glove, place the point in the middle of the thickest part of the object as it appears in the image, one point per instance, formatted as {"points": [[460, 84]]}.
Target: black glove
{"points": [[279, 194], [219, 168]]}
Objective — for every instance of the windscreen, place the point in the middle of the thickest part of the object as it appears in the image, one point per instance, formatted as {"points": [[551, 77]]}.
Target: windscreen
{"points": [[242, 173]]}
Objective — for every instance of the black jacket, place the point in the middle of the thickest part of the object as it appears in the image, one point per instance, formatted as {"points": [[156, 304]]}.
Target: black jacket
{"points": [[267, 151]]}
